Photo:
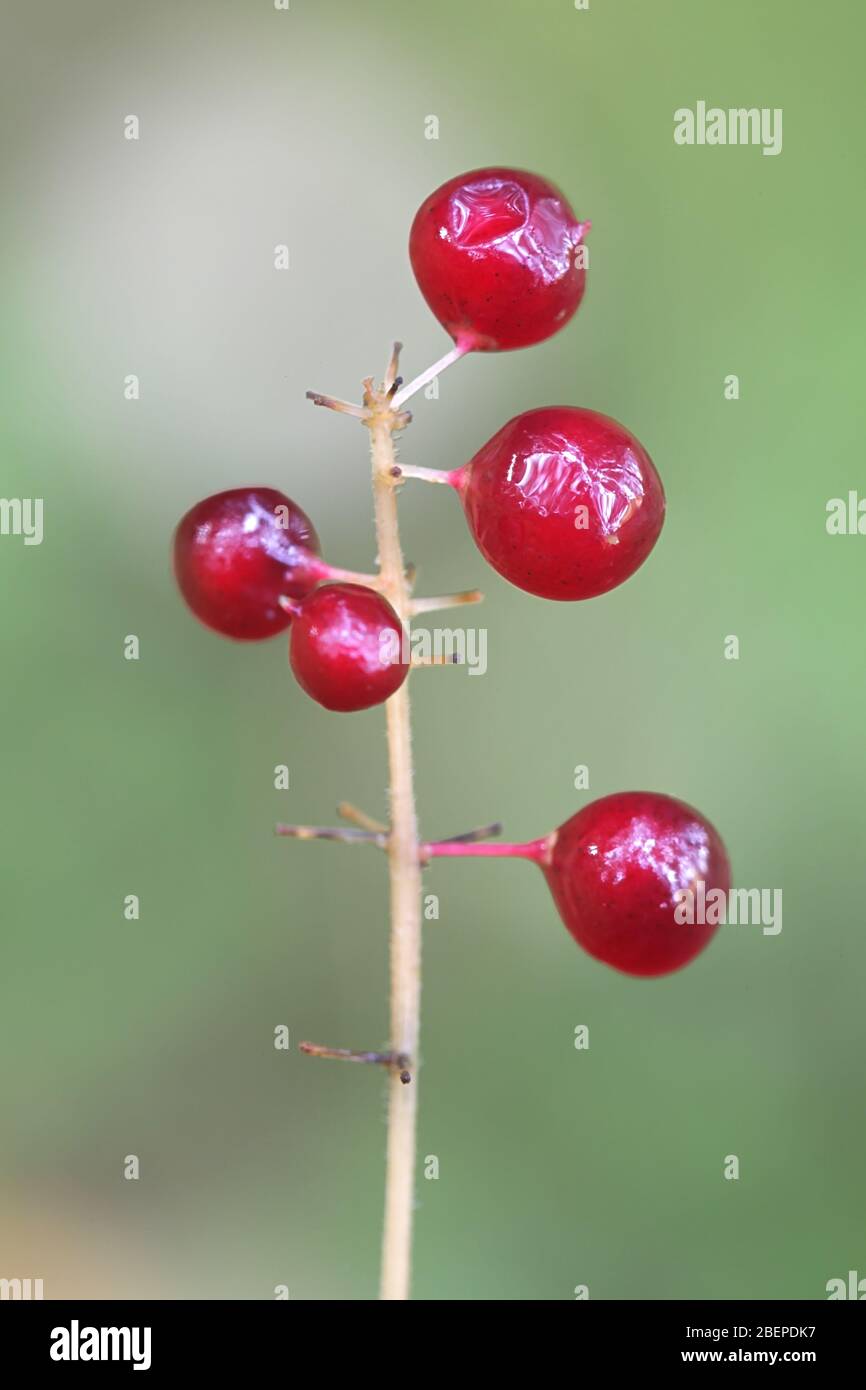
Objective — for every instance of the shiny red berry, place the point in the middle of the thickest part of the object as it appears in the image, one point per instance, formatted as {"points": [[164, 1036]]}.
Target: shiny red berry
{"points": [[565, 503], [494, 253], [237, 552], [345, 647], [616, 869]]}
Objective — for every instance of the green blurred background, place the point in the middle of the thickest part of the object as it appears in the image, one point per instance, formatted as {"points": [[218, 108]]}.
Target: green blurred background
{"points": [[155, 777]]}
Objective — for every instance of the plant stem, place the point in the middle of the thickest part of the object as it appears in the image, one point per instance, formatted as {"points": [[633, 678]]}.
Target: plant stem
{"points": [[405, 872]]}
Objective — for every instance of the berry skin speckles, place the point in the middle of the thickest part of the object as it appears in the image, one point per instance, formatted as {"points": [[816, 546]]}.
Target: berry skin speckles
{"points": [[615, 869], [563, 502], [345, 647], [495, 256]]}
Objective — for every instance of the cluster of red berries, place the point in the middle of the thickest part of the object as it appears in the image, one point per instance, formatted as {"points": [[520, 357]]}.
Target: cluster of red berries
{"points": [[248, 564], [563, 502]]}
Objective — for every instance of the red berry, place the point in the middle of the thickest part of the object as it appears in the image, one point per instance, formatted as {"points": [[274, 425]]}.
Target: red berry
{"points": [[614, 871], [237, 552], [563, 502], [345, 647], [494, 252]]}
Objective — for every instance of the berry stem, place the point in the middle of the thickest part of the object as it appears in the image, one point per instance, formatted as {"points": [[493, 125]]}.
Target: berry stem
{"points": [[428, 475], [459, 350], [405, 868], [330, 574], [459, 848]]}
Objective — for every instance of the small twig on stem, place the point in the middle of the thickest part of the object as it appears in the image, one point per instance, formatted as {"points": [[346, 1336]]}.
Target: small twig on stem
{"points": [[340, 833], [358, 412], [469, 837], [420, 663], [391, 378], [358, 817], [395, 1060], [431, 605]]}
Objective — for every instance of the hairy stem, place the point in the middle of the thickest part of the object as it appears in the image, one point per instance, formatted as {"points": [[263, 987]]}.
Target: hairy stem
{"points": [[405, 872]]}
